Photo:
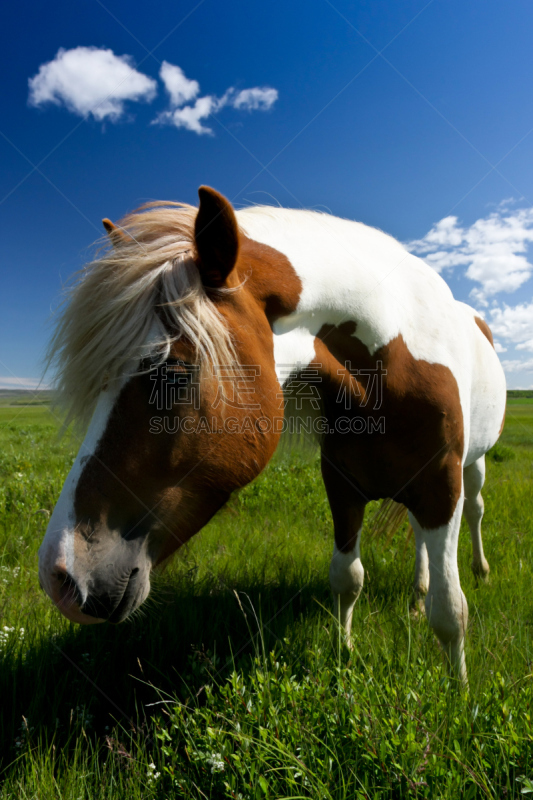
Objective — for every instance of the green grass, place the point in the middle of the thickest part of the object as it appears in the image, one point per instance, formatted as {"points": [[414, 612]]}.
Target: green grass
{"points": [[234, 682]]}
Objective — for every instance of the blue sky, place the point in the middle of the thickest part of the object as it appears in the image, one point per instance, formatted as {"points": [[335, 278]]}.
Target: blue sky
{"points": [[414, 117]]}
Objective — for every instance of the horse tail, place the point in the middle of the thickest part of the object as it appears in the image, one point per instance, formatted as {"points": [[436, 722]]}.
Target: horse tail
{"points": [[387, 520]]}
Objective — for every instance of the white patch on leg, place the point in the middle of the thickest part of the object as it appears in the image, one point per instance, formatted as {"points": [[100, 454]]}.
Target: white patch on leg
{"points": [[421, 581], [446, 606], [346, 577], [474, 478]]}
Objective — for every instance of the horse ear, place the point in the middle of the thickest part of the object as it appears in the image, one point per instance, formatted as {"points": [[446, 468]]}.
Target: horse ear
{"points": [[116, 235], [216, 234]]}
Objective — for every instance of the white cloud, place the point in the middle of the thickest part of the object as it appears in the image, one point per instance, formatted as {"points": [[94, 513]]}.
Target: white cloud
{"points": [[92, 80], [89, 80], [515, 324], [179, 87], [189, 117], [256, 99], [182, 90], [516, 365], [11, 382], [493, 249]]}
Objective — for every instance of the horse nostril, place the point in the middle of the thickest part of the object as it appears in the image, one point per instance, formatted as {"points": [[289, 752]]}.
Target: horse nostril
{"points": [[112, 602], [69, 594]]}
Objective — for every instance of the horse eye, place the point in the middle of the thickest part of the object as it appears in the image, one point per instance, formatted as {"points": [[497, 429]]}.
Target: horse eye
{"points": [[178, 371], [173, 370]]}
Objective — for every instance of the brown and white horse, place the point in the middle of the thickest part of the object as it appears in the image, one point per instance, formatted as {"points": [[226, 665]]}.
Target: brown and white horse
{"points": [[239, 305]]}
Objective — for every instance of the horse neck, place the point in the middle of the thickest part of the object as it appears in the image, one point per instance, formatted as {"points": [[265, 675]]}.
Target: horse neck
{"points": [[310, 269], [329, 271]]}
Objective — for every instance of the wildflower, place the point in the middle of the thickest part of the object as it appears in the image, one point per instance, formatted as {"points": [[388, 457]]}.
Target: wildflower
{"points": [[152, 775], [9, 571], [5, 634], [215, 762]]}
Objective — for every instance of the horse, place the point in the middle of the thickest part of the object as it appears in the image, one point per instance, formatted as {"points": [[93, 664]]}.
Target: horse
{"points": [[214, 315]]}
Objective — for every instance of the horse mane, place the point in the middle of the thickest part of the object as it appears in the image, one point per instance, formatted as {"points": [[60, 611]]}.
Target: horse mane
{"points": [[148, 282]]}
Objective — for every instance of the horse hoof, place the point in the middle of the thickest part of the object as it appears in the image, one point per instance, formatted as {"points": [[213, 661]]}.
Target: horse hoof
{"points": [[417, 609], [417, 606], [481, 571], [347, 640]]}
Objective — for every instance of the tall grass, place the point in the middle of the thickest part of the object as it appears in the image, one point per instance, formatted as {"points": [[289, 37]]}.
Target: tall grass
{"points": [[234, 681]]}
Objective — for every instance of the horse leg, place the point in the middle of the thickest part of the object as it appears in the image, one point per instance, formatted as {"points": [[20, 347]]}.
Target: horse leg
{"points": [[446, 606], [474, 478], [346, 573], [346, 577], [421, 581]]}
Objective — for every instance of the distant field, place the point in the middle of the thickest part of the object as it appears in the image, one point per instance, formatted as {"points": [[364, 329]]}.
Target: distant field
{"points": [[519, 401], [15, 397], [212, 694]]}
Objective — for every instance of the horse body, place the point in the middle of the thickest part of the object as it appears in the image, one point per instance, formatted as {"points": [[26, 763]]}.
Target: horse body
{"points": [[408, 381], [351, 273]]}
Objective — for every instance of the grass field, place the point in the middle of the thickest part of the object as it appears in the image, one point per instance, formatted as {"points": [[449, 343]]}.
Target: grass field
{"points": [[233, 681]]}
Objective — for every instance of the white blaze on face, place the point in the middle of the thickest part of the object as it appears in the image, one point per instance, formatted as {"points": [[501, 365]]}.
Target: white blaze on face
{"points": [[56, 553], [57, 549]]}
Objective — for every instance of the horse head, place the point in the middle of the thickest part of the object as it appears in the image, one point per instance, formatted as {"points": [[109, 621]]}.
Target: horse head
{"points": [[166, 338]]}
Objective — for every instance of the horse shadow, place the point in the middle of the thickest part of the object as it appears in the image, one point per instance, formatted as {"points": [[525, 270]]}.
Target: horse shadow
{"points": [[190, 633]]}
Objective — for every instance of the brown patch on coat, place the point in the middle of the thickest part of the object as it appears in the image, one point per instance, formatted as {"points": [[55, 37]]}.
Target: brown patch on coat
{"points": [[417, 459], [270, 277], [484, 328]]}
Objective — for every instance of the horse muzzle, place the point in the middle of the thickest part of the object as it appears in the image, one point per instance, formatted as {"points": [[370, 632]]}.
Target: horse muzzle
{"points": [[90, 581]]}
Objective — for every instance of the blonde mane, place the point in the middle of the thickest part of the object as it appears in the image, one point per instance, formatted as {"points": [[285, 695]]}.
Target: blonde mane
{"points": [[147, 282]]}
